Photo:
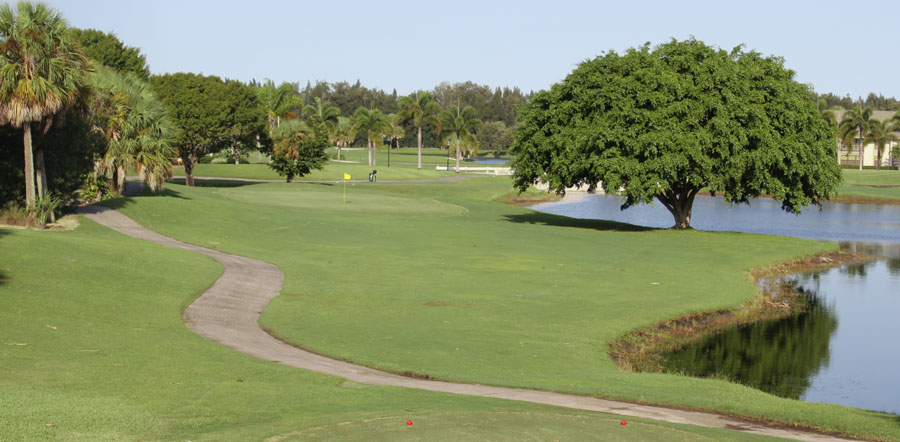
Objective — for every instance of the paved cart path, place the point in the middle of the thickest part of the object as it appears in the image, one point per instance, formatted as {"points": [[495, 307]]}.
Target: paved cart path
{"points": [[228, 311]]}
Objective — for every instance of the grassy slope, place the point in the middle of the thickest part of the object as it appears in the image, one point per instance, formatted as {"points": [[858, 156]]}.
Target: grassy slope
{"points": [[108, 358], [443, 281]]}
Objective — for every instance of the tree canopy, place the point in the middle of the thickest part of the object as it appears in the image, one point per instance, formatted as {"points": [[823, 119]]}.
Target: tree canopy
{"points": [[110, 51], [210, 114], [665, 122]]}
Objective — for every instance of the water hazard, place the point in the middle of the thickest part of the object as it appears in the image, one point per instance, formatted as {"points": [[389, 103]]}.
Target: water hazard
{"points": [[843, 347]]}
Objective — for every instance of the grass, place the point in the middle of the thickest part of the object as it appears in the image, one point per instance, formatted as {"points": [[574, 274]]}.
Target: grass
{"points": [[333, 171], [438, 279], [870, 186], [93, 350]]}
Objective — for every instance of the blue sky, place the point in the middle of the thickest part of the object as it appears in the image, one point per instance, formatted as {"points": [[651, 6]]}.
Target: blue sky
{"points": [[839, 47]]}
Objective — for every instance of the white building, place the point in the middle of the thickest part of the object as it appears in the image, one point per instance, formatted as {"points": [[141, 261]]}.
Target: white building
{"points": [[849, 156]]}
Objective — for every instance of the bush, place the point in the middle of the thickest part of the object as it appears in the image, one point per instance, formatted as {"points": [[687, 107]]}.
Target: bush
{"points": [[13, 214], [45, 208]]}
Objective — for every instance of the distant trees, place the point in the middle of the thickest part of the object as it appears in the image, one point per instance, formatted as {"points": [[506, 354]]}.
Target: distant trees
{"points": [[210, 114], [277, 102], [372, 123], [420, 109], [854, 125], [458, 126]]}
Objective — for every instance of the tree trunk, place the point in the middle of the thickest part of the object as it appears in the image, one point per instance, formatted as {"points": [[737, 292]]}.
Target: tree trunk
{"points": [[29, 167], [369, 150], [339, 151], [40, 172], [680, 204], [458, 152], [419, 139], [862, 148], [188, 170], [878, 161], [374, 154]]}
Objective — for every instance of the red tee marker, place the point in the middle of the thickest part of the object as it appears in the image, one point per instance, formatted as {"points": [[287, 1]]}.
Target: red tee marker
{"points": [[624, 422], [408, 422]]}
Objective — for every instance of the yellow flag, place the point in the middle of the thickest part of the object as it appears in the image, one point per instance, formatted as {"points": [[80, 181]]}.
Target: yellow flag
{"points": [[346, 176]]}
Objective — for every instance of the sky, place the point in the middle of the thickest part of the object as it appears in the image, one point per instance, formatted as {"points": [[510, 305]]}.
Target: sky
{"points": [[412, 45]]}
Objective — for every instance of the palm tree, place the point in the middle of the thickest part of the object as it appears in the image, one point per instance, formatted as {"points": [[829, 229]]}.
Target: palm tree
{"points": [[855, 120], [422, 109], [343, 134], [880, 134], [137, 129], [458, 127], [41, 74], [277, 102], [394, 131], [372, 122], [326, 111]]}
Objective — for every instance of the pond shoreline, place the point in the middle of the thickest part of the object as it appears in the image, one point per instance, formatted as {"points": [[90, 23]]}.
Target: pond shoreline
{"points": [[643, 349]]}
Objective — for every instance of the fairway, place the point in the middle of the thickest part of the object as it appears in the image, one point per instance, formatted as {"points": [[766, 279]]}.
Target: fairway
{"points": [[89, 354], [497, 295]]}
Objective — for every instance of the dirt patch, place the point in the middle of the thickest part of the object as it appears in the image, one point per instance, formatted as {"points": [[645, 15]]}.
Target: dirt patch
{"points": [[68, 222], [528, 200], [642, 350], [442, 304]]}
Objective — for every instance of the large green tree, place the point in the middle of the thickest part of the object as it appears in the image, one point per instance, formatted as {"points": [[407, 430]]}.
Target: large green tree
{"points": [[210, 114], [41, 75], [663, 123], [110, 51], [421, 109]]}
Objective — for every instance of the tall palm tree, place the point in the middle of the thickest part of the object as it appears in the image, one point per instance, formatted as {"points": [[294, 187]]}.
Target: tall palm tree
{"points": [[277, 102], [394, 131], [372, 122], [343, 134], [421, 108], [459, 126], [855, 120], [137, 128], [41, 74], [880, 134]]}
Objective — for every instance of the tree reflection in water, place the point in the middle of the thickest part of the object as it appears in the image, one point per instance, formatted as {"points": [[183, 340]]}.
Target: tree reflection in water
{"points": [[779, 356]]}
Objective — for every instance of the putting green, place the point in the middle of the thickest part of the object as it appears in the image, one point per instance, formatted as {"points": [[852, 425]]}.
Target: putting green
{"points": [[357, 203]]}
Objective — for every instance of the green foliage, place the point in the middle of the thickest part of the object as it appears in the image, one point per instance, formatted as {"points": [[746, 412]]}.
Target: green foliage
{"points": [[110, 51], [300, 147], [41, 75], [137, 128], [495, 136], [45, 207], [211, 114], [458, 128], [666, 122]]}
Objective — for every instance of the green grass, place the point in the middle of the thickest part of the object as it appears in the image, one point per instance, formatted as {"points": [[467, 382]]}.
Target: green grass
{"points": [[106, 357], [333, 171], [870, 184], [401, 278]]}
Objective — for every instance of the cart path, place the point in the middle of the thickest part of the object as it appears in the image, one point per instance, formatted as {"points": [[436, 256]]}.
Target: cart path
{"points": [[228, 311]]}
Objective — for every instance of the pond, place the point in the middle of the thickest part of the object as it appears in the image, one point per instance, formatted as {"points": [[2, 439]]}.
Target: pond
{"points": [[843, 348], [491, 160]]}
